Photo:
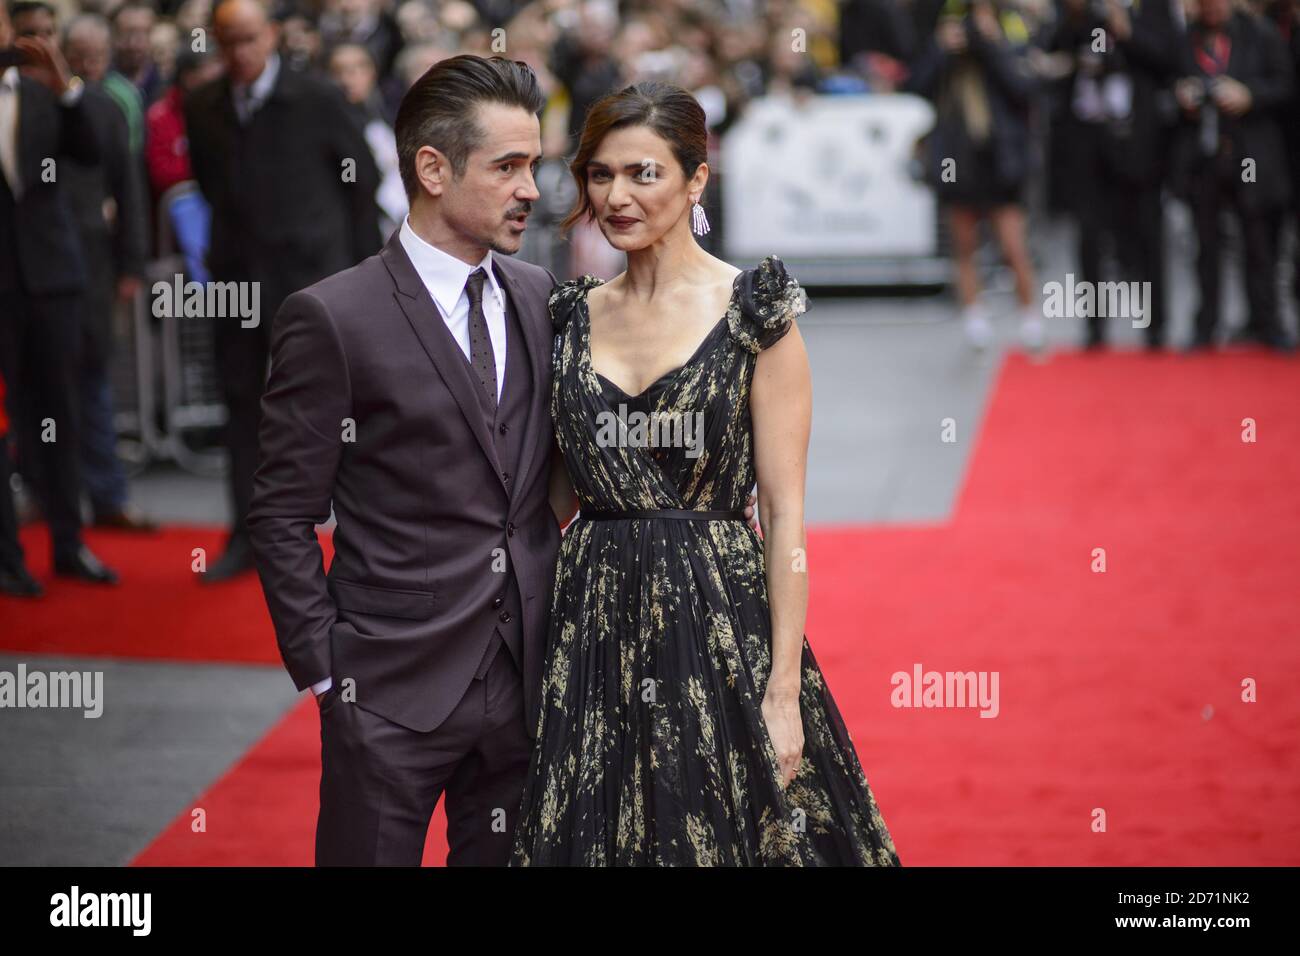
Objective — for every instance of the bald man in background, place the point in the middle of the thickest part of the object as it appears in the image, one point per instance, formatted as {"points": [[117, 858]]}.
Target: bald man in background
{"points": [[292, 186]]}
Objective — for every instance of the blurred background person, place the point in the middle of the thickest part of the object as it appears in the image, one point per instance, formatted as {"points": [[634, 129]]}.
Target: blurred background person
{"points": [[133, 22], [300, 43], [269, 148], [1114, 135], [1229, 154], [109, 206], [15, 579], [353, 70], [42, 279], [979, 152], [167, 148], [1285, 16]]}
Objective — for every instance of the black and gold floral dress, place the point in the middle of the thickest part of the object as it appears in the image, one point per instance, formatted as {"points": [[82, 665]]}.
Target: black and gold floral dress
{"points": [[651, 747]]}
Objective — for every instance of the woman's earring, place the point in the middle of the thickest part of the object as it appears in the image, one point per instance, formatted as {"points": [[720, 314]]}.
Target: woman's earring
{"points": [[699, 221]]}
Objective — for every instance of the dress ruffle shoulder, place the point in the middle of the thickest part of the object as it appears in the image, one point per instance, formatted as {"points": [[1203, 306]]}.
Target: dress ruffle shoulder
{"points": [[765, 305], [565, 297]]}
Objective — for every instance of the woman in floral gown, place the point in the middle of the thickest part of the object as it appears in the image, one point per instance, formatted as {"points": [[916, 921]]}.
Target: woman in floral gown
{"points": [[684, 718]]}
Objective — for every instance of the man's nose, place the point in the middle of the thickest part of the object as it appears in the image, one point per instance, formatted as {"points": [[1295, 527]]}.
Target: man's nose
{"points": [[529, 192]]}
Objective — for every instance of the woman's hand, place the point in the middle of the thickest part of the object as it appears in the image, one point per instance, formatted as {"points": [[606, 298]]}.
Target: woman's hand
{"points": [[785, 726]]}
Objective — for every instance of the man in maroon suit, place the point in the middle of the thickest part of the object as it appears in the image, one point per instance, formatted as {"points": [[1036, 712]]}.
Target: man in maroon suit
{"points": [[411, 391]]}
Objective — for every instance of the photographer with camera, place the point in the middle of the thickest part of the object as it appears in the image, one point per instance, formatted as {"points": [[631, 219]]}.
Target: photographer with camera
{"points": [[974, 70], [1113, 131], [1229, 153]]}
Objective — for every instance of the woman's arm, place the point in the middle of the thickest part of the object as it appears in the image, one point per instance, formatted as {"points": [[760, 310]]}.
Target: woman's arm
{"points": [[563, 501], [780, 404]]}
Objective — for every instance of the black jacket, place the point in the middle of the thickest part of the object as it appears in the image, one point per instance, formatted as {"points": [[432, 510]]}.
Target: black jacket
{"points": [[281, 210], [1010, 90], [1257, 59], [40, 252], [1136, 150]]}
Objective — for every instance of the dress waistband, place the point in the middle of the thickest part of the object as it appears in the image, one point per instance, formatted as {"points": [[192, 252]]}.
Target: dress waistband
{"points": [[683, 514]]}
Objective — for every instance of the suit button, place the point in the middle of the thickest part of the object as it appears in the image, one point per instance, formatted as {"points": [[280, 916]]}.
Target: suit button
{"points": [[503, 428], [510, 529], [498, 602], [505, 476], [505, 617]]}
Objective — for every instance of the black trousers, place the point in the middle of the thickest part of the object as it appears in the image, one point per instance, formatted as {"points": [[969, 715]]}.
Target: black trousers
{"points": [[40, 352], [11, 552], [1119, 216], [1210, 198], [241, 356]]}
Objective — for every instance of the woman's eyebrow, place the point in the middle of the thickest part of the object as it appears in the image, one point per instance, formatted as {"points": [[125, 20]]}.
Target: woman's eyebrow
{"points": [[630, 167]]}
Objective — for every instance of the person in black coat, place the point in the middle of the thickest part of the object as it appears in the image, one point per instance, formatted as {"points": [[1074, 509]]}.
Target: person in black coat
{"points": [[291, 183], [42, 278], [109, 205], [1113, 133], [1229, 152]]}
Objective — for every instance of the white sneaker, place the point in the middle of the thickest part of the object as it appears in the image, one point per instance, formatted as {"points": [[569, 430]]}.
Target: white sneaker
{"points": [[978, 329], [1032, 333]]}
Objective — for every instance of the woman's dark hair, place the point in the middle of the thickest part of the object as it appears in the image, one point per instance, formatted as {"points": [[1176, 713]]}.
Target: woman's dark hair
{"points": [[439, 109], [668, 110]]}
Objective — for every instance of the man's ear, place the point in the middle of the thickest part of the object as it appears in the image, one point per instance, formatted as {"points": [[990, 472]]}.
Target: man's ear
{"points": [[431, 169]]}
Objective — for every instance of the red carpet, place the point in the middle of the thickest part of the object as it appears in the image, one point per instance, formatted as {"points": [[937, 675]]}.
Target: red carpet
{"points": [[1118, 691], [159, 611]]}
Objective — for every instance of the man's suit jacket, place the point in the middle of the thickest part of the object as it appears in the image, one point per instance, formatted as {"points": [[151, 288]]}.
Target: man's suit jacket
{"points": [[282, 213], [406, 609], [113, 247], [40, 251]]}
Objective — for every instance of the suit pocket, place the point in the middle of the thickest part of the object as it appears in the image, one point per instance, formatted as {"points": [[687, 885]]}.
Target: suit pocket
{"points": [[385, 602]]}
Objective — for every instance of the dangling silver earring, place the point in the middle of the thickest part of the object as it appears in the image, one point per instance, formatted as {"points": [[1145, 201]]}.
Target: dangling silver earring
{"points": [[699, 221]]}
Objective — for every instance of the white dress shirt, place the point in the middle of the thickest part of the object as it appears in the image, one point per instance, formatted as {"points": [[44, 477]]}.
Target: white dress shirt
{"points": [[250, 97], [444, 276], [9, 129]]}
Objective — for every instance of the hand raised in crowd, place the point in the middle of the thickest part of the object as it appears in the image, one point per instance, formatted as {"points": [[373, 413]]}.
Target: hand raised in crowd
{"points": [[950, 34], [986, 22], [1118, 21], [1189, 93], [45, 63]]}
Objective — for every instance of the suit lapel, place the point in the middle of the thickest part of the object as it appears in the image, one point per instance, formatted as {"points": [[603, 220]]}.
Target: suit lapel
{"points": [[426, 321]]}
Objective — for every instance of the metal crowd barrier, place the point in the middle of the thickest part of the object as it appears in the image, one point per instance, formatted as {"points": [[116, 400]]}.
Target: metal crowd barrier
{"points": [[192, 407]]}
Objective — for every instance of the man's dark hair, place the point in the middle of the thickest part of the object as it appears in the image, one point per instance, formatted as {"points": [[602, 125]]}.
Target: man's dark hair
{"points": [[19, 7], [440, 109], [132, 5]]}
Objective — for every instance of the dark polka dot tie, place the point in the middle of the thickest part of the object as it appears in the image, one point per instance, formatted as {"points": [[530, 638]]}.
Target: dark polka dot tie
{"points": [[481, 356]]}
